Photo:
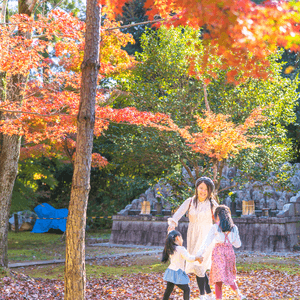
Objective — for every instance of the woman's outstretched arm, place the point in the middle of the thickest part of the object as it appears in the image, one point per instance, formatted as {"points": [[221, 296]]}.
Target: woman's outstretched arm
{"points": [[173, 222]]}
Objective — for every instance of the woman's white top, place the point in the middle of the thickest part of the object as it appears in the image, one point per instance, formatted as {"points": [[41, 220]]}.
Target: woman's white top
{"points": [[179, 257], [216, 236], [200, 222]]}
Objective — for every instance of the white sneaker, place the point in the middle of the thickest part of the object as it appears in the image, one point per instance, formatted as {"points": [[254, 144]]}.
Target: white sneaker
{"points": [[202, 297], [210, 296], [242, 297]]}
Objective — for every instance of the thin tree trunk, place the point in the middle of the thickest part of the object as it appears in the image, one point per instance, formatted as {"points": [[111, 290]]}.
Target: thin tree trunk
{"points": [[75, 279], [3, 11], [10, 146], [215, 169], [3, 94], [189, 171], [220, 167], [9, 157], [197, 170], [206, 98]]}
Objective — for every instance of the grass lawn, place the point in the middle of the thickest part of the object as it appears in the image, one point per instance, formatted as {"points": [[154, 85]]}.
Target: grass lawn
{"points": [[27, 246], [98, 269]]}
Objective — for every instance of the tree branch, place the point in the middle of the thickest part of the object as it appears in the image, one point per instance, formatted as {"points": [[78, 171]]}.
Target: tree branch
{"points": [[33, 113], [227, 188], [187, 169], [220, 167], [205, 98], [197, 170], [136, 24], [107, 29]]}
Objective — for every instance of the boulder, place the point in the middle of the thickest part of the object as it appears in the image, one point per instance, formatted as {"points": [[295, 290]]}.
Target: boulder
{"points": [[287, 211], [271, 203]]}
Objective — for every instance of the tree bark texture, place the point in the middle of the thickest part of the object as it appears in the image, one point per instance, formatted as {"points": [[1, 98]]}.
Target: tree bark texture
{"points": [[11, 90], [75, 277], [3, 11], [206, 98], [26, 6], [9, 157]]}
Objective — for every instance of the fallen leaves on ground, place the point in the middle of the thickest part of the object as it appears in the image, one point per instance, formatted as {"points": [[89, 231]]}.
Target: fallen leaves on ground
{"points": [[261, 284]]}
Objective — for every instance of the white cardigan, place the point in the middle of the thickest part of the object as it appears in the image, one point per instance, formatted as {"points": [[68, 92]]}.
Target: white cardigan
{"points": [[215, 236], [178, 258]]}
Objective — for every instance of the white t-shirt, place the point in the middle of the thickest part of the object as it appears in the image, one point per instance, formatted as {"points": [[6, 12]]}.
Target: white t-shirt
{"points": [[178, 258]]}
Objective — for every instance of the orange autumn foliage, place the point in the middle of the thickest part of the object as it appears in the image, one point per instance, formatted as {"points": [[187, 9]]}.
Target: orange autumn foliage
{"points": [[241, 32], [218, 138], [51, 97]]}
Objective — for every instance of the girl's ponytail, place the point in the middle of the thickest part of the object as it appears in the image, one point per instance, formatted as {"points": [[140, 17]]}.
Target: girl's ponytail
{"points": [[170, 245], [226, 222]]}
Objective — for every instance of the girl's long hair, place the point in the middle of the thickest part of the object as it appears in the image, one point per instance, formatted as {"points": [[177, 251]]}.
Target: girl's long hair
{"points": [[170, 245], [224, 214], [210, 189]]}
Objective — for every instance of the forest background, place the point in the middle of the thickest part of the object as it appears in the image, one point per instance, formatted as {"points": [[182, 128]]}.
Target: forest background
{"points": [[137, 156]]}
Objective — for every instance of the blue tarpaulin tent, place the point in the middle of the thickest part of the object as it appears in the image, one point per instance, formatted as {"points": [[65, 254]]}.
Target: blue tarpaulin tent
{"points": [[45, 210]]}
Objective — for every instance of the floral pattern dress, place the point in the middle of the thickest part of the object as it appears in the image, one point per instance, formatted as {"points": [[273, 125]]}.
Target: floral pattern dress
{"points": [[223, 268], [200, 223]]}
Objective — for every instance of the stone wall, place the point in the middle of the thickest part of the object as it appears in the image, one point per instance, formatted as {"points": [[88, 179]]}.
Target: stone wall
{"points": [[257, 234], [143, 230], [268, 234]]}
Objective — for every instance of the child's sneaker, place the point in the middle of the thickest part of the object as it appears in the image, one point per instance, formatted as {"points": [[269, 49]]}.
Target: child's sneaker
{"points": [[210, 296], [242, 297]]}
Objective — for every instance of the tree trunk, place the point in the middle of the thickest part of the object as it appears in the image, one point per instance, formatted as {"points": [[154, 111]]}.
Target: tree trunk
{"points": [[26, 6], [10, 147], [9, 157], [187, 168], [75, 280], [206, 98], [3, 11], [220, 167]]}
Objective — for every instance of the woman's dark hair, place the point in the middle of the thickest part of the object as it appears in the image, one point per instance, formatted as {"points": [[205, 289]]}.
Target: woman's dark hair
{"points": [[224, 214], [170, 245], [210, 189]]}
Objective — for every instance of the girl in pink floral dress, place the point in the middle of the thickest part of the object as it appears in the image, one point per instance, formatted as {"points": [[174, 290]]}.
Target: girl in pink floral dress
{"points": [[224, 234]]}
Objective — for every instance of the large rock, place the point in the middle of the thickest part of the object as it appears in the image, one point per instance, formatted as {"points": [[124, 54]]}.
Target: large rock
{"points": [[271, 203], [296, 201], [287, 211]]}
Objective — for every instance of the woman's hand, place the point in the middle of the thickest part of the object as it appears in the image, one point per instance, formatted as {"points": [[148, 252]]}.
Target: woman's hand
{"points": [[199, 259], [170, 228]]}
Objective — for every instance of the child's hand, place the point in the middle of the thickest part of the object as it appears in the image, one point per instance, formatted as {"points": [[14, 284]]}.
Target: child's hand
{"points": [[171, 228], [199, 259]]}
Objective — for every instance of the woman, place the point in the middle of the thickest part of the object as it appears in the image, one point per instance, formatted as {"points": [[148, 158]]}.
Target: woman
{"points": [[200, 209]]}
